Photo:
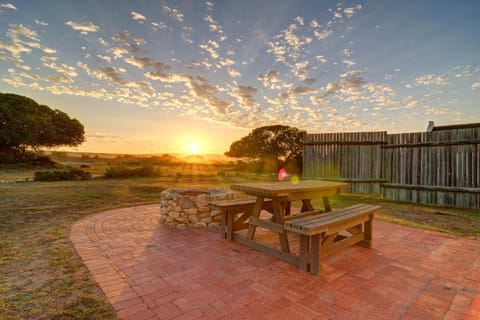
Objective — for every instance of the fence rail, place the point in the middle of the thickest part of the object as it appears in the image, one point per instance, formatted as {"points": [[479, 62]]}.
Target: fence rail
{"points": [[438, 167]]}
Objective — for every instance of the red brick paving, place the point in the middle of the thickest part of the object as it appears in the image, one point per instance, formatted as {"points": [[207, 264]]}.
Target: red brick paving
{"points": [[151, 271]]}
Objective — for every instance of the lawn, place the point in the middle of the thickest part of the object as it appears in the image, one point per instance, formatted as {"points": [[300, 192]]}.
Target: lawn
{"points": [[41, 276]]}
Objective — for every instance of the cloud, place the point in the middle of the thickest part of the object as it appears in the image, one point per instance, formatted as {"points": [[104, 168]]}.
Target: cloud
{"points": [[22, 40], [49, 50], [47, 59], [244, 96], [431, 79], [104, 58], [158, 25], [476, 85], [61, 68], [233, 73], [84, 27], [40, 23], [302, 90], [128, 39], [444, 79], [127, 43], [174, 13], [349, 63], [322, 34], [436, 111], [7, 6], [118, 52], [17, 30], [109, 73], [318, 100], [349, 12], [321, 59], [142, 62], [200, 88], [353, 79], [271, 79], [212, 24], [15, 49], [138, 16], [211, 47], [59, 78]]}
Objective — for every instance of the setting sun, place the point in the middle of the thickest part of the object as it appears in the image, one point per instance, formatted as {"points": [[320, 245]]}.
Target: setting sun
{"points": [[194, 148]]}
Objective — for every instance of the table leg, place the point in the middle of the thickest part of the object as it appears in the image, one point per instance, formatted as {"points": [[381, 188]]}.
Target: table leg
{"points": [[306, 205], [256, 213], [326, 204], [278, 212]]}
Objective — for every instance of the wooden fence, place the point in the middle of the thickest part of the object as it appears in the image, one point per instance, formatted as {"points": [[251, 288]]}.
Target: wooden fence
{"points": [[439, 167]]}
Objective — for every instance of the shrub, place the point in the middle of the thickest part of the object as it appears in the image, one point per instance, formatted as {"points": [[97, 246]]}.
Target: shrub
{"points": [[26, 159], [122, 171], [62, 175]]}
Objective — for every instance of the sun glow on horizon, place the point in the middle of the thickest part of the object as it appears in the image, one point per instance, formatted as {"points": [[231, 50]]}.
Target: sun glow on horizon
{"points": [[194, 148]]}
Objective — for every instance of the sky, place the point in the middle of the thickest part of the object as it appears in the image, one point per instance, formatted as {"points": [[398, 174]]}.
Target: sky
{"points": [[194, 76]]}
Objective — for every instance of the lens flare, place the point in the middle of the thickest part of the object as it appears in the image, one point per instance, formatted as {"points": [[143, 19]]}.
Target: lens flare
{"points": [[282, 174], [294, 179]]}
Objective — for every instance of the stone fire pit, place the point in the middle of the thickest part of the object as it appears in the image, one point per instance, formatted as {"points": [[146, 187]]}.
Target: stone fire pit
{"points": [[189, 206]]}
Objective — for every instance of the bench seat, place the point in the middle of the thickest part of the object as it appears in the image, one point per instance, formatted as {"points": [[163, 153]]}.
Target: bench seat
{"points": [[232, 208], [319, 233]]}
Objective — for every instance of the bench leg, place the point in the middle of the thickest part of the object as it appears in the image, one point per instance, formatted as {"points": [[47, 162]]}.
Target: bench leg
{"points": [[304, 252], [315, 265], [367, 243], [310, 254]]}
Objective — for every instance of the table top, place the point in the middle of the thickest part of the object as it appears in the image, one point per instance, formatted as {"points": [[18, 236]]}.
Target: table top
{"points": [[287, 187]]}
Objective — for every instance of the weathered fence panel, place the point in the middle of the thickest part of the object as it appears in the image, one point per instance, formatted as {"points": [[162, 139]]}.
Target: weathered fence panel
{"points": [[438, 167], [355, 158]]}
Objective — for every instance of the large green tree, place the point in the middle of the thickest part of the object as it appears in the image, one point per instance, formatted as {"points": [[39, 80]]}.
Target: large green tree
{"points": [[25, 124], [281, 143]]}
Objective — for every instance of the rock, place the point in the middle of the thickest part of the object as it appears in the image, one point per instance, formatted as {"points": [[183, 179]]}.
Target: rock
{"points": [[186, 203], [191, 212], [200, 225]]}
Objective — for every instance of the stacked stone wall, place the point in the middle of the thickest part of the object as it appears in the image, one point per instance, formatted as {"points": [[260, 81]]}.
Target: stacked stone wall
{"points": [[189, 207]]}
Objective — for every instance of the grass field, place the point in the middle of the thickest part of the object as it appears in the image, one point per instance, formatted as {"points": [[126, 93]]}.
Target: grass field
{"points": [[41, 276]]}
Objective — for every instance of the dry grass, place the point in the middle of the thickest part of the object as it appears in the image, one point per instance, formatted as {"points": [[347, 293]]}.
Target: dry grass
{"points": [[42, 277]]}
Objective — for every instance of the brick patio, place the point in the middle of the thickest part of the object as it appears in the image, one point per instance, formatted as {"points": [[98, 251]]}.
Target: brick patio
{"points": [[151, 271]]}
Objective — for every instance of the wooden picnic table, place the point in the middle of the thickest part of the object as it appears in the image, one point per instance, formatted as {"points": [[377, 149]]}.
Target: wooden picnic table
{"points": [[282, 194]]}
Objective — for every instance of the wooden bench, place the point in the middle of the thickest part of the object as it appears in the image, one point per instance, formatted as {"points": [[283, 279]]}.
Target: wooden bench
{"points": [[319, 233], [232, 208]]}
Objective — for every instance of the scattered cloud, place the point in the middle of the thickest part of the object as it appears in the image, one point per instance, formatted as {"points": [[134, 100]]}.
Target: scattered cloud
{"points": [[174, 13], [143, 62], [138, 16], [275, 76], [104, 58], [431, 79], [61, 68], [49, 50], [84, 27], [349, 63], [59, 78], [7, 6], [40, 23], [271, 79]]}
